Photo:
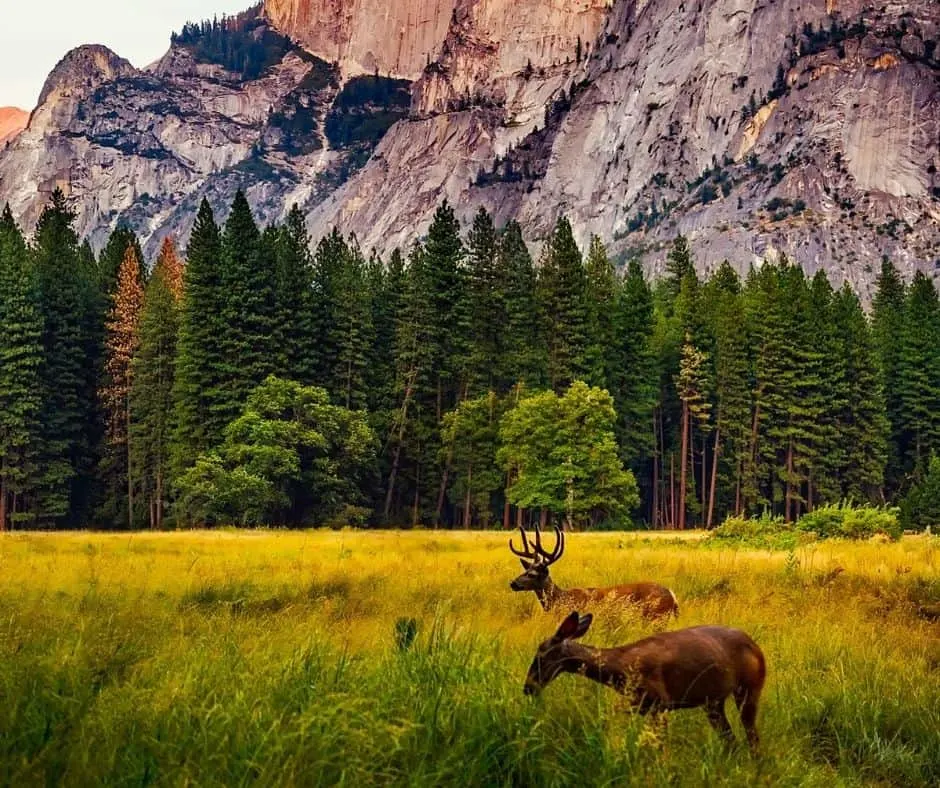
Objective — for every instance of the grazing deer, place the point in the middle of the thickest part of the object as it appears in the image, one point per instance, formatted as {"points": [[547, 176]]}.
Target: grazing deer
{"points": [[699, 666], [654, 600]]}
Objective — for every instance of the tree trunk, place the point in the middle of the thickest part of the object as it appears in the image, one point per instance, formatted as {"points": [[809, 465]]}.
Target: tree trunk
{"points": [[543, 518], [788, 497], [158, 503], [753, 450], [466, 503], [683, 465], [3, 503], [702, 493], [711, 492], [672, 491], [396, 455], [654, 515], [507, 515], [130, 478]]}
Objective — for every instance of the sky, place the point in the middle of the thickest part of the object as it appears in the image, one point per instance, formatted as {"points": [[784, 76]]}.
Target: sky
{"points": [[35, 34]]}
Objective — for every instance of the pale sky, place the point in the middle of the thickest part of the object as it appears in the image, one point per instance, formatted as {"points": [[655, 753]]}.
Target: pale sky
{"points": [[35, 34]]}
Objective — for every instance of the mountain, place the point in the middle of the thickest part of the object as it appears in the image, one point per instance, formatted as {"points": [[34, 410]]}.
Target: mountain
{"points": [[12, 121], [756, 128]]}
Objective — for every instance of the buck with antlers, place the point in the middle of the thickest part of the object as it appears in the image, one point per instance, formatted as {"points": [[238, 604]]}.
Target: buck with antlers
{"points": [[690, 668], [654, 600]]}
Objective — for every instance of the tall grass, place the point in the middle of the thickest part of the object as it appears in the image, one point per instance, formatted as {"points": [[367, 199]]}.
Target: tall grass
{"points": [[230, 658]]}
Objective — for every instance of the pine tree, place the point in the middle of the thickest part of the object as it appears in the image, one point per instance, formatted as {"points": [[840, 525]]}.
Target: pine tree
{"points": [[199, 380], [732, 388], [68, 300], [20, 360], [887, 329], [600, 300], [634, 374], [692, 386], [919, 375], [121, 342], [248, 280], [151, 398], [525, 357], [111, 259], [678, 264], [561, 291], [486, 295], [354, 332], [863, 425], [295, 321]]}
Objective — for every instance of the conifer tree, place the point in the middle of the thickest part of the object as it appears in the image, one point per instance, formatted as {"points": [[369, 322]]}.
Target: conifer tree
{"points": [[248, 280], [862, 428], [68, 373], [562, 296], [199, 377], [151, 398], [678, 264], [887, 329], [634, 374], [600, 300], [732, 388], [525, 355], [486, 295], [354, 332], [295, 326], [20, 359], [121, 342], [111, 259], [919, 375]]}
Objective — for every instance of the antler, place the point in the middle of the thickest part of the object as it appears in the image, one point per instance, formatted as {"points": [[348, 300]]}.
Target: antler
{"points": [[540, 553], [526, 551], [555, 554]]}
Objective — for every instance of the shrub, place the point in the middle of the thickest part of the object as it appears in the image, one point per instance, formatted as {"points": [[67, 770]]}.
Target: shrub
{"points": [[850, 522]]}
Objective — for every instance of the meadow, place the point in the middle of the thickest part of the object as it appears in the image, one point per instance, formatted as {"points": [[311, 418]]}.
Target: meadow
{"points": [[234, 658]]}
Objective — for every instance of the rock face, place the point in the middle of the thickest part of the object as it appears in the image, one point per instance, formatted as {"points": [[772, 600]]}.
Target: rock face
{"points": [[12, 121], [755, 128]]}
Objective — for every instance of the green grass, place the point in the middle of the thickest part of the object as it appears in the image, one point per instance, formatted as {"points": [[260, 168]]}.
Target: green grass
{"points": [[231, 658]]}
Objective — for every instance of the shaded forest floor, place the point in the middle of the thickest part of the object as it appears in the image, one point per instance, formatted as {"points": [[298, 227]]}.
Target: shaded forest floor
{"points": [[227, 657]]}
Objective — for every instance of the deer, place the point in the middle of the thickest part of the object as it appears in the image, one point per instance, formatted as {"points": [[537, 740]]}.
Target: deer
{"points": [[688, 668], [655, 601]]}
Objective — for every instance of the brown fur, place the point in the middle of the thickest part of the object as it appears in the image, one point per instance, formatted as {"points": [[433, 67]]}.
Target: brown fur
{"points": [[652, 599], [696, 667]]}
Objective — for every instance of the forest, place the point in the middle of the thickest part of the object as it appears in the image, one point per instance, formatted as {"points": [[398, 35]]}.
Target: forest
{"points": [[268, 380]]}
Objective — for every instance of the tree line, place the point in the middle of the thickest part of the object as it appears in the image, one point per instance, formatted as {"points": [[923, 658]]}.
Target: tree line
{"points": [[267, 380]]}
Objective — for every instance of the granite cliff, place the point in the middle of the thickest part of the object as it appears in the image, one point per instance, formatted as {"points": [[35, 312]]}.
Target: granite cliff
{"points": [[12, 121], [757, 128]]}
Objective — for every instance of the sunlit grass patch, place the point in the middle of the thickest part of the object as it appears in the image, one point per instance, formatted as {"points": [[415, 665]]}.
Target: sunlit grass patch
{"points": [[280, 658]]}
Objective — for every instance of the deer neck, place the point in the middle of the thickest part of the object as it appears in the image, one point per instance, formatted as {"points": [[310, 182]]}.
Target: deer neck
{"points": [[592, 663], [549, 594]]}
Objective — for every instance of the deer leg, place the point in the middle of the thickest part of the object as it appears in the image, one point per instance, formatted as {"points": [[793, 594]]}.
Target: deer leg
{"points": [[747, 707], [718, 719]]}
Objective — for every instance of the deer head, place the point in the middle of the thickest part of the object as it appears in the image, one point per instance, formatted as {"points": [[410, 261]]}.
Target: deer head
{"points": [[535, 561], [553, 654]]}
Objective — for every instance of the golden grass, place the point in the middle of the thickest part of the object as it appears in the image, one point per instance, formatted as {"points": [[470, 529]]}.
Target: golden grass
{"points": [[136, 630]]}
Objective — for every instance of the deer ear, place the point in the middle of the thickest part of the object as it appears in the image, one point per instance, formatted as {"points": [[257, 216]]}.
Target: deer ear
{"points": [[584, 624], [569, 626]]}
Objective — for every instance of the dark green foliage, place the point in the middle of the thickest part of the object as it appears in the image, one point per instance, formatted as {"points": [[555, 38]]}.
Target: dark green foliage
{"points": [[487, 308], [526, 356], [291, 458], [919, 375], [887, 328], [248, 281], [68, 423], [243, 44], [920, 508], [151, 399], [20, 359], [295, 315], [601, 290], [563, 313], [365, 109], [198, 388]]}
